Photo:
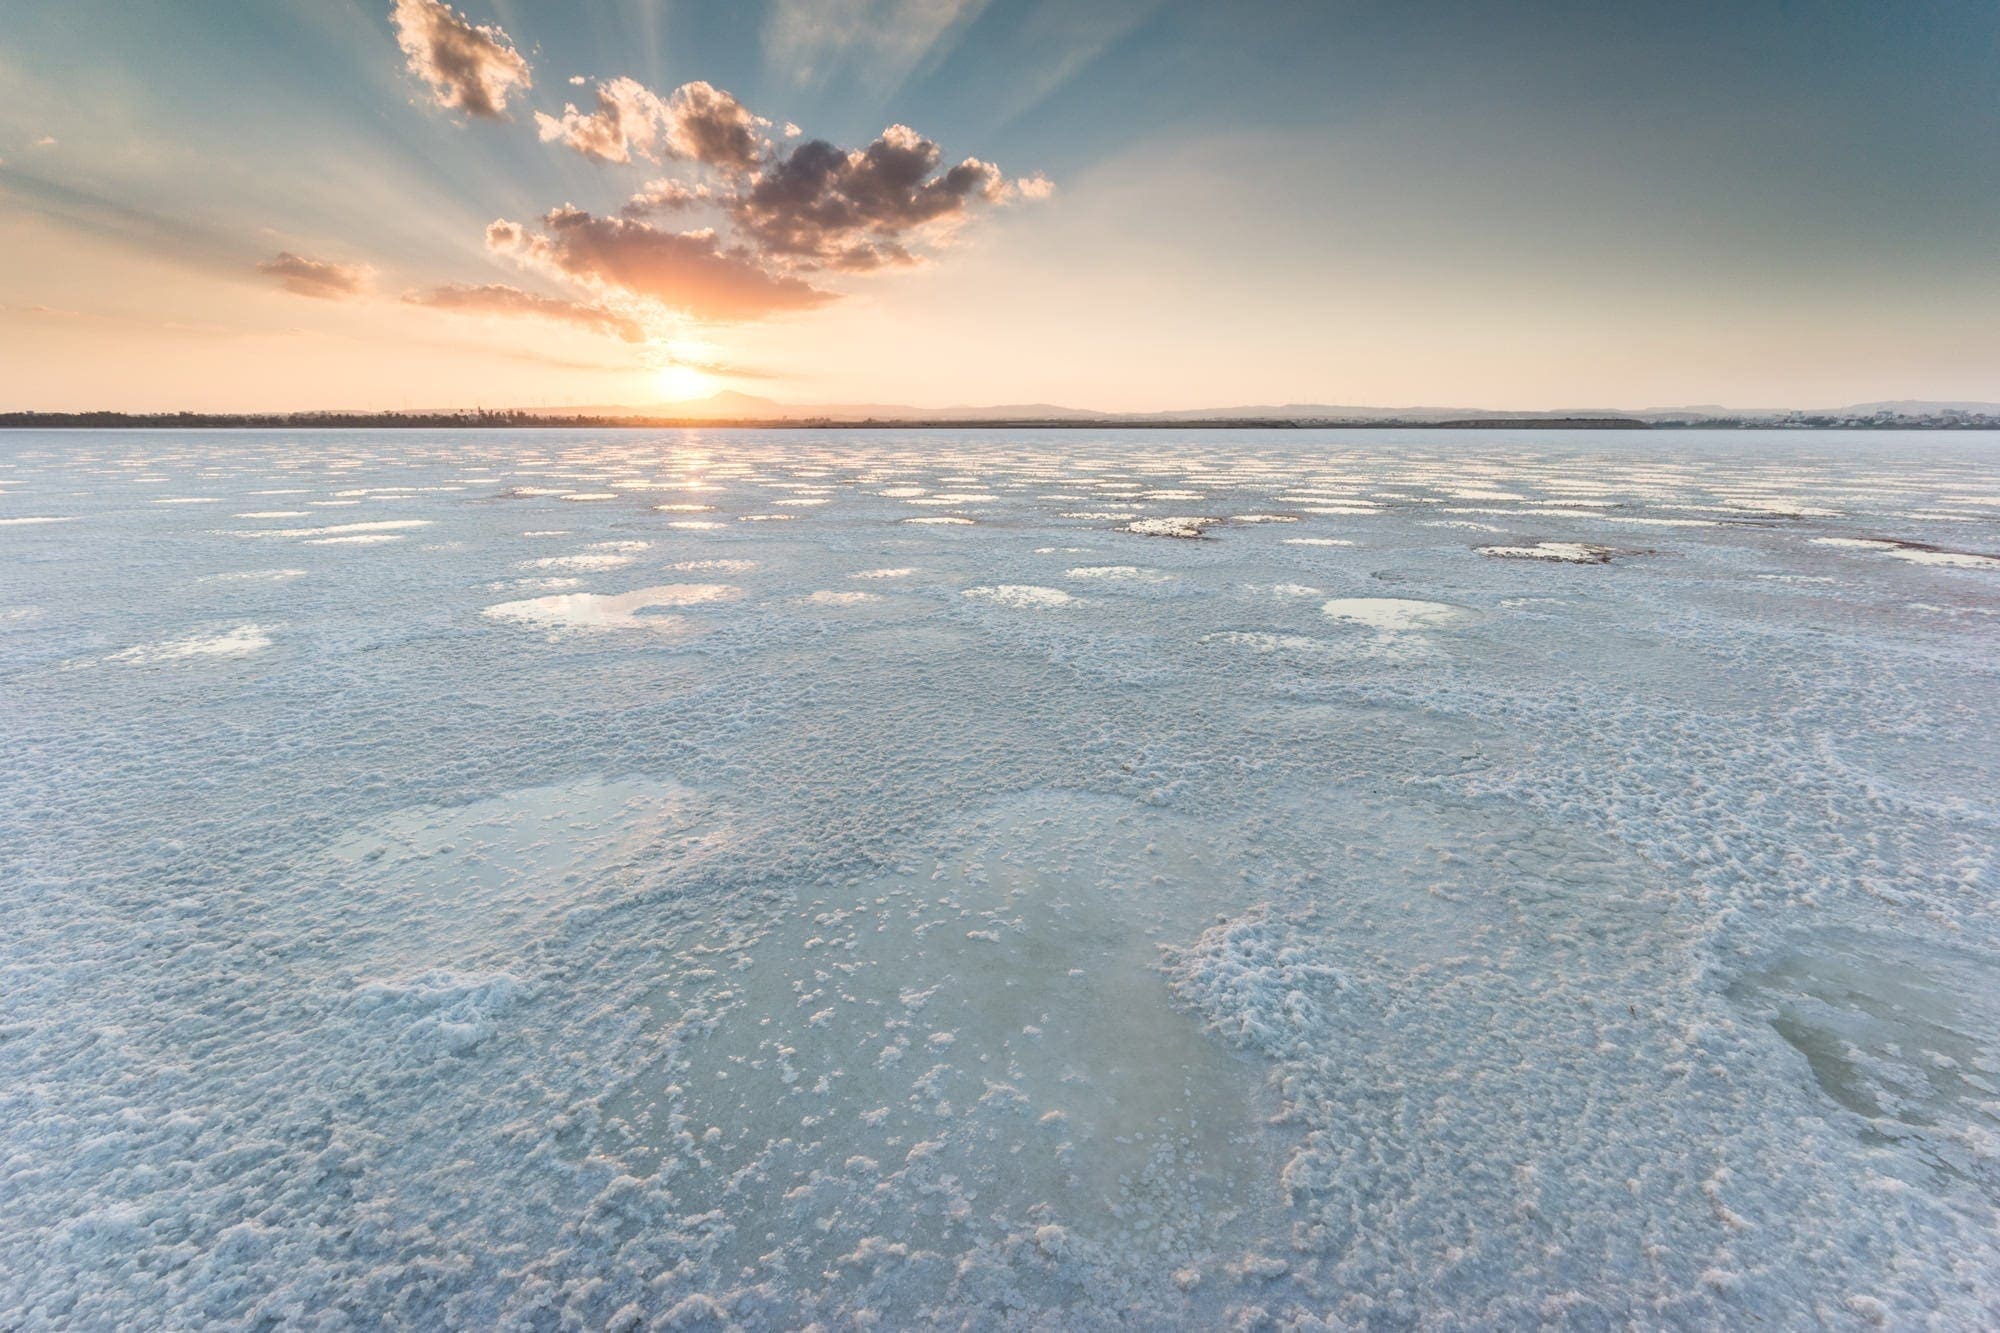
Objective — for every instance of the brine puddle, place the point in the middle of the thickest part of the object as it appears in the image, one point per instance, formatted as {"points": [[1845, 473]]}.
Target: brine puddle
{"points": [[465, 886], [976, 1054], [1901, 1036]]}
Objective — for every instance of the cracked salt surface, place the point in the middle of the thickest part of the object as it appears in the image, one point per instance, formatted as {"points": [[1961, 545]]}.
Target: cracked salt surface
{"points": [[1238, 946]]}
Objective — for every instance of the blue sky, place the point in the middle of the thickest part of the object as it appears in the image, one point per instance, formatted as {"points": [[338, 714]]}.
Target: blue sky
{"points": [[1509, 205]]}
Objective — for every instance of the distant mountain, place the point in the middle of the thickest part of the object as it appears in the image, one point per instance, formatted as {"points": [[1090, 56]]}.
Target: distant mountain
{"points": [[1909, 407]]}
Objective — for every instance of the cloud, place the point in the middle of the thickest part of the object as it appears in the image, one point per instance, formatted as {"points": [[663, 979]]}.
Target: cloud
{"points": [[689, 272], [708, 125], [500, 299], [854, 209], [804, 206], [472, 69], [666, 196], [793, 207], [315, 277], [697, 122], [626, 121]]}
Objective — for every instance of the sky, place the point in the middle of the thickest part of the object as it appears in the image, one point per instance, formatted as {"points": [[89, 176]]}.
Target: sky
{"points": [[1137, 205]]}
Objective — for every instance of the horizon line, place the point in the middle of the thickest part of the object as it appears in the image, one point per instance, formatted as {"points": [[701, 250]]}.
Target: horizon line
{"points": [[1939, 417]]}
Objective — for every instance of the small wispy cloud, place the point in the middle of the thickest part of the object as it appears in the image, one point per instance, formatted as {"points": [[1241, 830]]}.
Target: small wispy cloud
{"points": [[469, 68], [667, 195], [689, 272], [316, 277], [501, 299]]}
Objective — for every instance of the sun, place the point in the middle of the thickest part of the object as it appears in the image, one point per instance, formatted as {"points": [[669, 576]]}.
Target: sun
{"points": [[677, 383]]}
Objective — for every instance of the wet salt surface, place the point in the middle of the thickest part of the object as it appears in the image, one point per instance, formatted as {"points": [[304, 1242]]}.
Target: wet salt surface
{"points": [[1319, 923], [626, 610], [1396, 613], [1573, 553]]}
